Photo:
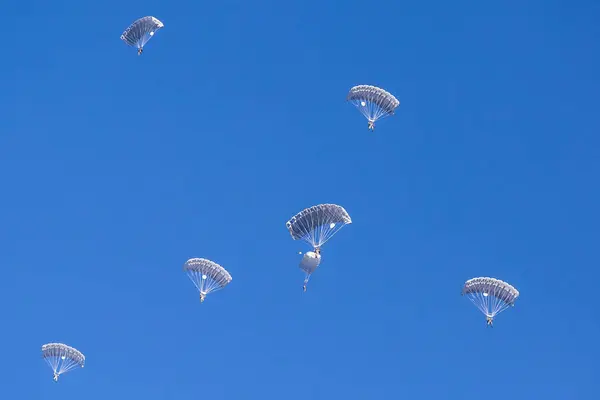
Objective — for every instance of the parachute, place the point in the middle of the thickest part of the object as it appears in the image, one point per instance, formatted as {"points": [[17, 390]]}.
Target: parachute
{"points": [[207, 276], [316, 225], [62, 358], [140, 32], [491, 296], [373, 102]]}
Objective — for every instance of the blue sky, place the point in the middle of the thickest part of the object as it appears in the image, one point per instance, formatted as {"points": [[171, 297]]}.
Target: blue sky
{"points": [[116, 169]]}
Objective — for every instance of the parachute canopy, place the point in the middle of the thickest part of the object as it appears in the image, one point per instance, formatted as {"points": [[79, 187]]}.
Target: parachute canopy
{"points": [[373, 102], [62, 358], [317, 224], [208, 276], [491, 296], [141, 31]]}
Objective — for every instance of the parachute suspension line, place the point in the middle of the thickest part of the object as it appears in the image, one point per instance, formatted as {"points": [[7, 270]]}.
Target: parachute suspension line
{"points": [[370, 110], [204, 283], [482, 302], [52, 362], [364, 110], [60, 364], [144, 37], [316, 231], [500, 306], [66, 365], [488, 305]]}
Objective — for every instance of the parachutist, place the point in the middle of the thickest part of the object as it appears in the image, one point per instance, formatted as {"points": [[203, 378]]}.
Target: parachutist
{"points": [[140, 51], [373, 102], [62, 358], [316, 225], [206, 275], [491, 296]]}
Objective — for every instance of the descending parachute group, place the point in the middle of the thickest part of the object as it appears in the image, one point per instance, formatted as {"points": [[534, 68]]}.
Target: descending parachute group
{"points": [[314, 225], [372, 102]]}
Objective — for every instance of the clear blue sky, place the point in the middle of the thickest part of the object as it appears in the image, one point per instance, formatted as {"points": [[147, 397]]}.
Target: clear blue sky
{"points": [[116, 169]]}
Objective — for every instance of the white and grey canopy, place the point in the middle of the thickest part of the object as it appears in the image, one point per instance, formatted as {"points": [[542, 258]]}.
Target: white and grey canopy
{"points": [[317, 224], [372, 102], [141, 31], [491, 296], [62, 358], [207, 276]]}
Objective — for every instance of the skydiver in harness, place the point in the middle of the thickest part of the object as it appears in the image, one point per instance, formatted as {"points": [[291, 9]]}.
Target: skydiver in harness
{"points": [[202, 297], [371, 125], [140, 51], [490, 321], [55, 377]]}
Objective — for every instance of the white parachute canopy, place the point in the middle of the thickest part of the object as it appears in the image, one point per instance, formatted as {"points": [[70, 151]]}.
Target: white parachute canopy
{"points": [[141, 31], [491, 296], [206, 275], [62, 358], [372, 102], [317, 224]]}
